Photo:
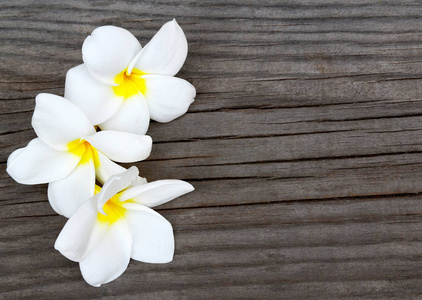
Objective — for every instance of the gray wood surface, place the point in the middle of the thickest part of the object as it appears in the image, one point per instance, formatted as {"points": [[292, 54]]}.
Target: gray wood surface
{"points": [[304, 146]]}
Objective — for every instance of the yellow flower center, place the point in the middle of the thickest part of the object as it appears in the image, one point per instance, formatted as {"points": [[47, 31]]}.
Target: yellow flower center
{"points": [[85, 151], [113, 209], [129, 85]]}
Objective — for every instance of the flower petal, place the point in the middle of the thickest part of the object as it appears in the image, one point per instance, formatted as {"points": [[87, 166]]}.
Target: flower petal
{"points": [[58, 121], [168, 97], [138, 181], [110, 258], [165, 53], [157, 192], [105, 168], [66, 195], [108, 51], [133, 116], [95, 99], [15, 154], [82, 232], [39, 163], [121, 146], [152, 234], [115, 184]]}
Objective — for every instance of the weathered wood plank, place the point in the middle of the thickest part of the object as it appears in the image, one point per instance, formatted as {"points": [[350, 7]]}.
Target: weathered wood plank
{"points": [[303, 145], [344, 244]]}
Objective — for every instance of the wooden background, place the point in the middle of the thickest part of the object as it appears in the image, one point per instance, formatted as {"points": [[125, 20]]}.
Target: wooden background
{"points": [[304, 145]]}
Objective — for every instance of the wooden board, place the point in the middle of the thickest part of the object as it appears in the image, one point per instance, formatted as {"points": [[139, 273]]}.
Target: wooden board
{"points": [[304, 145]]}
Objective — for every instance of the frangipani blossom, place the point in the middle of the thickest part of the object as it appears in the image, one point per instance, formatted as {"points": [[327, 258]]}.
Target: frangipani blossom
{"points": [[121, 86], [69, 154], [117, 224]]}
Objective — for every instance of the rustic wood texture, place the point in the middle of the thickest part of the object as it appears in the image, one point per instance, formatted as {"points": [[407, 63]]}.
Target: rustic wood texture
{"points": [[304, 145]]}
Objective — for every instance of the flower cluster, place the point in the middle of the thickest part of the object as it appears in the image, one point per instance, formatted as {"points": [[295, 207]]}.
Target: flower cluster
{"points": [[102, 121]]}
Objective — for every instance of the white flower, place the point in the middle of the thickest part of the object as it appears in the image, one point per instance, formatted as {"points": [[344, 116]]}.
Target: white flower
{"points": [[121, 86], [69, 154], [117, 224]]}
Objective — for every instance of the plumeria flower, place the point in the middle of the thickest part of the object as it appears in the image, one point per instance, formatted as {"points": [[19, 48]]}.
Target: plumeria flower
{"points": [[121, 85], [70, 154], [117, 224]]}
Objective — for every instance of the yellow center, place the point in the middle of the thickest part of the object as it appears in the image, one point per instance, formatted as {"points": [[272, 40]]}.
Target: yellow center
{"points": [[129, 85], [85, 151], [112, 208]]}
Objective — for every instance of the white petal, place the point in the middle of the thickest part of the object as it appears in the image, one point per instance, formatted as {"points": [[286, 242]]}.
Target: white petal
{"points": [[15, 154], [115, 184], [110, 258], [152, 234], [39, 163], [105, 168], [109, 51], [138, 181], [157, 192], [66, 195], [58, 121], [82, 232], [165, 53], [168, 97], [95, 99], [121, 146], [133, 116]]}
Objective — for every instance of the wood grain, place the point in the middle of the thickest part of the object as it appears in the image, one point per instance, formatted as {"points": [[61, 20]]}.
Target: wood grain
{"points": [[303, 144]]}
